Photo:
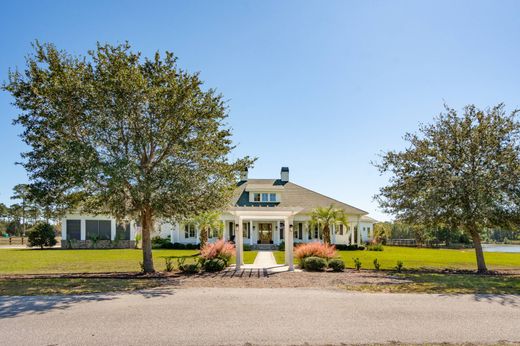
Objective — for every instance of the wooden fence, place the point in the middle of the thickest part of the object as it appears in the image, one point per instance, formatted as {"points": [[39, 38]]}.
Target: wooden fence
{"points": [[13, 241]]}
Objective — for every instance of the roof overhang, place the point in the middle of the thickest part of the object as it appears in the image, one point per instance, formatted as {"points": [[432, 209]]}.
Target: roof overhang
{"points": [[262, 213]]}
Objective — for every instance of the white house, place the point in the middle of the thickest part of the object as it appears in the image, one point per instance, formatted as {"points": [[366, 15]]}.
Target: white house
{"points": [[263, 213]]}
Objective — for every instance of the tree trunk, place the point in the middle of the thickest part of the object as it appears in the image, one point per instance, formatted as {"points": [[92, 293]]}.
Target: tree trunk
{"points": [[326, 234], [147, 227], [481, 263], [203, 237]]}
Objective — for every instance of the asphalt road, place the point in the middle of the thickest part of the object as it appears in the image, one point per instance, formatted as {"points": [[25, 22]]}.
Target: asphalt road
{"points": [[236, 316]]}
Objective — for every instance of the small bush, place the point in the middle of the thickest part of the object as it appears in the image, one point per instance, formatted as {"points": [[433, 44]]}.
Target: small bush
{"points": [[220, 249], [42, 235], [337, 265], [179, 246], [168, 264], [399, 266], [281, 246], [214, 265], [190, 268], [167, 245], [315, 264], [357, 263], [375, 247], [351, 247], [192, 246], [377, 265], [247, 247]]}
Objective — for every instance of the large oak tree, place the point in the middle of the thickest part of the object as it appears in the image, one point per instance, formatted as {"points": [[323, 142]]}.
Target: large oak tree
{"points": [[461, 171], [113, 132]]}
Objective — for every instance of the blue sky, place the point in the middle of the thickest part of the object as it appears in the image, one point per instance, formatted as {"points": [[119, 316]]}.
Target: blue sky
{"points": [[319, 86]]}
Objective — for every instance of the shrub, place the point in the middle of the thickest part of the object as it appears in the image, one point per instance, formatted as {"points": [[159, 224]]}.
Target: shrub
{"points": [[313, 263], [168, 264], [351, 247], [179, 246], [220, 249], [281, 246], [192, 246], [189, 268], [214, 265], [247, 247], [161, 243], [42, 235], [375, 247], [399, 267], [337, 265], [315, 249], [377, 265], [357, 263]]}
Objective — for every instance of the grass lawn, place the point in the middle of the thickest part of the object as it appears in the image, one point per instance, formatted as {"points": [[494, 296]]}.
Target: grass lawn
{"points": [[447, 284], [417, 258], [29, 261], [28, 287]]}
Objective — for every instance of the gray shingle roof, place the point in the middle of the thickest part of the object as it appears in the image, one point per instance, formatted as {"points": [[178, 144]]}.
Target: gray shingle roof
{"points": [[292, 195]]}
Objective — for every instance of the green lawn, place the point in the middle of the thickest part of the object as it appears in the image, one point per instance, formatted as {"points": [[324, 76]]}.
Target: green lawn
{"points": [[28, 261], [447, 284], [416, 258], [28, 287]]}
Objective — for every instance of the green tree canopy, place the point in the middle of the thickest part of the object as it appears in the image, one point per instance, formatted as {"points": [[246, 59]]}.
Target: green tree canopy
{"points": [[326, 217], [461, 171], [207, 221], [115, 133]]}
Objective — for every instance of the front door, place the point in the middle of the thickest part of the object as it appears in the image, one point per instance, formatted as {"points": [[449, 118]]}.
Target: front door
{"points": [[265, 232]]}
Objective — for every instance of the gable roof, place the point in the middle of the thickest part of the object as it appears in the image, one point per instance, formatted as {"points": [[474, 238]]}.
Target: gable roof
{"points": [[291, 196]]}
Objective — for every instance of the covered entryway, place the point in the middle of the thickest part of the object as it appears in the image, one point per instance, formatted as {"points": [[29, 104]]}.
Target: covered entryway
{"points": [[265, 231]]}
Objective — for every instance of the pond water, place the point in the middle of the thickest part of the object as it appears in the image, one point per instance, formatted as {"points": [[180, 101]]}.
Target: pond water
{"points": [[501, 248]]}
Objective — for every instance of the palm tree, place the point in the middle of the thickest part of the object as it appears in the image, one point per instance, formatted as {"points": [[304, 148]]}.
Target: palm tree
{"points": [[205, 222], [326, 217]]}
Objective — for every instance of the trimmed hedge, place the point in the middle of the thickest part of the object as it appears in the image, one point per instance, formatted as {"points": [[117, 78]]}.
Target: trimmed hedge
{"points": [[317, 264], [214, 265], [337, 265], [352, 247]]}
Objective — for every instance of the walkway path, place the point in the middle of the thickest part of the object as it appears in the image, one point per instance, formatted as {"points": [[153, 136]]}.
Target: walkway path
{"points": [[264, 259], [265, 316]]}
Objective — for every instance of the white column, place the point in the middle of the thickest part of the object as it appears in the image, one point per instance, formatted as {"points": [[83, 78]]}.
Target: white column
{"points": [[288, 238], [239, 242], [277, 240], [113, 229], [63, 229], [351, 227], [83, 230], [171, 232], [251, 232], [333, 230], [224, 230], [358, 231]]}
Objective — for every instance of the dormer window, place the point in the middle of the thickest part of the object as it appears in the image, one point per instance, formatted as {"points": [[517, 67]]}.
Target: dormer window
{"points": [[265, 197]]}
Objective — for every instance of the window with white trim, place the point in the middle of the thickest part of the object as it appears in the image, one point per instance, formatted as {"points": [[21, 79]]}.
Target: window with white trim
{"points": [[189, 231], [265, 197]]}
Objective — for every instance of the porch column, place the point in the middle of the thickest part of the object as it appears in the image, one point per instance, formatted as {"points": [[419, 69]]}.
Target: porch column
{"points": [[288, 238], [251, 232], [63, 229], [351, 234], [83, 229], [239, 241], [224, 230], [358, 231], [277, 239], [333, 238]]}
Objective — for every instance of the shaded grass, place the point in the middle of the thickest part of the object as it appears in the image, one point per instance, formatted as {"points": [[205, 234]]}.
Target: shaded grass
{"points": [[27, 287], [55, 261], [447, 283], [419, 258]]}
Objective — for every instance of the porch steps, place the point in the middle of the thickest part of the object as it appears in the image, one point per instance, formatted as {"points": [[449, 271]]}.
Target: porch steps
{"points": [[264, 247]]}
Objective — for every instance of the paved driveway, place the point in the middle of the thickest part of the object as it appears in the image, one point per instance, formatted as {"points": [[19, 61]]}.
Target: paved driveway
{"points": [[236, 316]]}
